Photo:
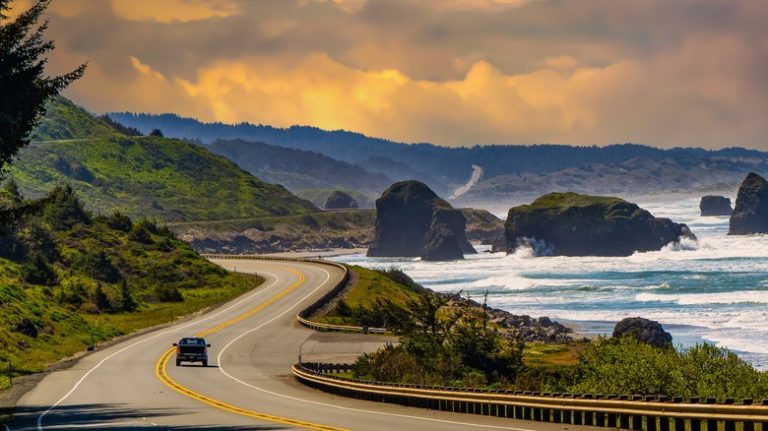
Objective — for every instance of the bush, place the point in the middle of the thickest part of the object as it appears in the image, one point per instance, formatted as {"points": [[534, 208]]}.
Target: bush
{"points": [[119, 222], [99, 266], [627, 366], [64, 209], [38, 271], [167, 293]]}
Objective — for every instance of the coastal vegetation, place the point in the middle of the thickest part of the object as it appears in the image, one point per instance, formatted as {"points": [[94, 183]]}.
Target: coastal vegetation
{"points": [[449, 342]]}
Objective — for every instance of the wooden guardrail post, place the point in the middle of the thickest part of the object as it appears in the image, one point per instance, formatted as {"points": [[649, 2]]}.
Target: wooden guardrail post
{"points": [[711, 423], [764, 424], [748, 425], [679, 422], [695, 422], [624, 417], [730, 425]]}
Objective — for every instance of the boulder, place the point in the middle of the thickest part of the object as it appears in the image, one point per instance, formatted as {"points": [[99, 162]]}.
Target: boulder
{"points": [[750, 215], [340, 200], [570, 224], [411, 221], [644, 330], [715, 206]]}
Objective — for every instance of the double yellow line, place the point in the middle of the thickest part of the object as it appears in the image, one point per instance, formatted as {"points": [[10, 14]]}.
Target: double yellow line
{"points": [[161, 369]]}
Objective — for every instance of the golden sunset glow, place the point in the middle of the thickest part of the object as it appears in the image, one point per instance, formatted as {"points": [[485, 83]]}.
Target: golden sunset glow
{"points": [[456, 72]]}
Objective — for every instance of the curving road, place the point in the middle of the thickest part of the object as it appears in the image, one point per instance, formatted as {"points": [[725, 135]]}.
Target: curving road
{"points": [[247, 385]]}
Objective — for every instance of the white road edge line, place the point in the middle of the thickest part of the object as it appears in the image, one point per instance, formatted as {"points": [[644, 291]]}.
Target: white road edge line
{"points": [[328, 276], [159, 334]]}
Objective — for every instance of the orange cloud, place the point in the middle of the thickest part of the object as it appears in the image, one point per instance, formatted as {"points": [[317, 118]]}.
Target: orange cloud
{"points": [[173, 10]]}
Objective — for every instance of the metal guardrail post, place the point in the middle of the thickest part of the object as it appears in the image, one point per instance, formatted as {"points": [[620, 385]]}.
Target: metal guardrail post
{"points": [[730, 425]]}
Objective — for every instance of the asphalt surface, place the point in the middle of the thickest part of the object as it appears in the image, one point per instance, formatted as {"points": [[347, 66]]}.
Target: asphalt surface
{"points": [[247, 385]]}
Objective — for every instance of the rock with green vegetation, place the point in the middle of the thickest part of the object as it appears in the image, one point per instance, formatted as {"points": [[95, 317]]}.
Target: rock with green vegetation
{"points": [[570, 224], [411, 221], [715, 206], [643, 330], [154, 177], [751, 212], [339, 200]]}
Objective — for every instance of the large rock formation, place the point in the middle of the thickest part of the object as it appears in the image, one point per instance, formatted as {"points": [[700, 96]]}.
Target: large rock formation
{"points": [[715, 206], [751, 212], [644, 330], [569, 224], [411, 220], [340, 200]]}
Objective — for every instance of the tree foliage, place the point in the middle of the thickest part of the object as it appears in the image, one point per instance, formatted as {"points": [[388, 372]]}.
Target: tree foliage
{"points": [[442, 341], [24, 85]]}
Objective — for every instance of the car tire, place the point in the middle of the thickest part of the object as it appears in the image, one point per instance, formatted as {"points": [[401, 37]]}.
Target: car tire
{"points": [[178, 363], [205, 363]]}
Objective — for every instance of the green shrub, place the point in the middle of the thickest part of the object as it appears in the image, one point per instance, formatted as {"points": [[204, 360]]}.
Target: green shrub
{"points": [[627, 366], [167, 293], [64, 209], [38, 271]]}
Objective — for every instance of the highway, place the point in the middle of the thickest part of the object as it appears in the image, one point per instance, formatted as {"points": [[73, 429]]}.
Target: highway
{"points": [[248, 384]]}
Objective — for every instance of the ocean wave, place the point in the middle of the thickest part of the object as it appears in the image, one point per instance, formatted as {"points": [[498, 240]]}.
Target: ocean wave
{"points": [[737, 297]]}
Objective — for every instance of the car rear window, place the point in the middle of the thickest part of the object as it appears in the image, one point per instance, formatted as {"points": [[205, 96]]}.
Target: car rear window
{"points": [[192, 341]]}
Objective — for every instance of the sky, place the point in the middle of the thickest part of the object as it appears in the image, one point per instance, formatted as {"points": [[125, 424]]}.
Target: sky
{"points": [[453, 72]]}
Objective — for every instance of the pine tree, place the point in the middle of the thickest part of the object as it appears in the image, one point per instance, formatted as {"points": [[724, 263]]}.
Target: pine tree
{"points": [[127, 302], [24, 85], [101, 299]]}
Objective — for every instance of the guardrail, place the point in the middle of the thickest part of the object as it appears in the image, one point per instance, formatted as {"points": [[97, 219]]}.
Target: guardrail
{"points": [[304, 315], [651, 413]]}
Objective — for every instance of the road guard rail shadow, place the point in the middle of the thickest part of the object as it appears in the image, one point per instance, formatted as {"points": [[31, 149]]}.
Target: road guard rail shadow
{"points": [[304, 315], [649, 413]]}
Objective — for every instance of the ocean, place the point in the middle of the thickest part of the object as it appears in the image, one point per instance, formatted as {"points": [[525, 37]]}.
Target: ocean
{"points": [[712, 290]]}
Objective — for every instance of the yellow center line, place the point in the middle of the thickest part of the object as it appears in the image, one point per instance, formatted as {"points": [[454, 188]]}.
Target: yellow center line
{"points": [[161, 369]]}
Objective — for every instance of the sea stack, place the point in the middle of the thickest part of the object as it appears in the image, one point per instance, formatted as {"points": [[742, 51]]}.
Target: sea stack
{"points": [[751, 212], [570, 224], [340, 200], [412, 221], [715, 206]]}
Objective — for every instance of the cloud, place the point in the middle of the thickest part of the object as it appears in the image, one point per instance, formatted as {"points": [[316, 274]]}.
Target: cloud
{"points": [[462, 72], [169, 11]]}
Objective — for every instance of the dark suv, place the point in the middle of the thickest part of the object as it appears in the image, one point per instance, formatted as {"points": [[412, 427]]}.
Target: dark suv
{"points": [[192, 349]]}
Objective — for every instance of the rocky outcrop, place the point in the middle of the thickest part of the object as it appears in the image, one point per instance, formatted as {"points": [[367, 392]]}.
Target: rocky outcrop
{"points": [[715, 206], [521, 327], [339, 200], [751, 212], [644, 330], [569, 224], [411, 221]]}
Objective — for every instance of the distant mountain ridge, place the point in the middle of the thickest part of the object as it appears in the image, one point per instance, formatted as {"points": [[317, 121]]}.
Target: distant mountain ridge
{"points": [[154, 177], [444, 168], [299, 170]]}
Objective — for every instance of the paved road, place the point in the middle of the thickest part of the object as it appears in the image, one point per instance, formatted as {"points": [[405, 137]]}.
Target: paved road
{"points": [[247, 385]]}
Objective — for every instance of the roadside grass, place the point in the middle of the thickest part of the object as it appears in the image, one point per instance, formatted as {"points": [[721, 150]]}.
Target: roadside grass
{"points": [[552, 356], [71, 332], [369, 287]]}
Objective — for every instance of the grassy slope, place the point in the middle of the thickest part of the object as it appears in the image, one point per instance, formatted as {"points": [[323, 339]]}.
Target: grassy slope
{"points": [[153, 177], [371, 285], [65, 326]]}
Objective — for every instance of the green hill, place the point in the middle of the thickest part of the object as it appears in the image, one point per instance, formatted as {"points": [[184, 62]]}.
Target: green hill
{"points": [[69, 278], [153, 177]]}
